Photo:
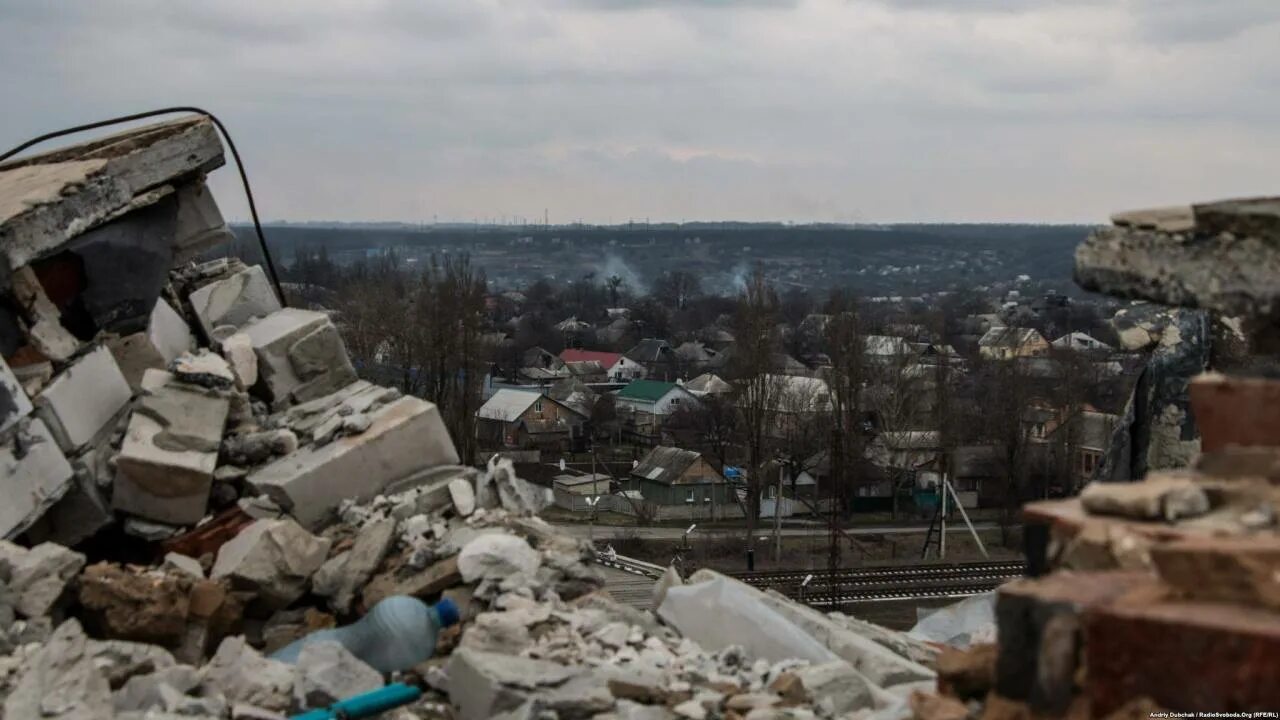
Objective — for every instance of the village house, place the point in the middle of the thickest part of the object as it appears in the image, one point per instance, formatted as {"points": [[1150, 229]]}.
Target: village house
{"points": [[1080, 342], [657, 357], [708, 384], [682, 484], [618, 368], [522, 419], [1007, 343], [647, 402]]}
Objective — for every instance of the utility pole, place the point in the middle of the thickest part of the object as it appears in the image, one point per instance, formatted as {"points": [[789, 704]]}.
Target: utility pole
{"points": [[777, 516], [942, 541]]}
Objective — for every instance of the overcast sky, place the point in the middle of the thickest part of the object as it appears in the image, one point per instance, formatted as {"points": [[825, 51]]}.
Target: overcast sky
{"points": [[605, 110]]}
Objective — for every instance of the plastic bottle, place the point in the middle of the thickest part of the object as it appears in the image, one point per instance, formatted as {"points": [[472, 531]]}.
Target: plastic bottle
{"points": [[398, 633]]}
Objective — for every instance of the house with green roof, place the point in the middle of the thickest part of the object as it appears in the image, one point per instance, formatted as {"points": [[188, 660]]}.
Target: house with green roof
{"points": [[647, 402]]}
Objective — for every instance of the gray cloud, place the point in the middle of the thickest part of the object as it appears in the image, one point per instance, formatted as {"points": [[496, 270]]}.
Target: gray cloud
{"points": [[609, 109]]}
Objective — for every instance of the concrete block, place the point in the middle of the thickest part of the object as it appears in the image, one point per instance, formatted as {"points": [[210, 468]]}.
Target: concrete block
{"points": [[235, 300], [165, 466], [34, 475], [83, 399], [200, 223], [168, 331], [165, 338], [300, 356], [14, 403], [405, 436], [44, 322]]}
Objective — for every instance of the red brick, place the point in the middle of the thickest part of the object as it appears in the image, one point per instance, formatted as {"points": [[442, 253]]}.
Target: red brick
{"points": [[1244, 570], [1186, 656], [1039, 633], [1235, 411]]}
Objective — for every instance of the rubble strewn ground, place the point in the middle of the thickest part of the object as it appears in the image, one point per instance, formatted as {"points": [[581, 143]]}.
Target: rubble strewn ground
{"points": [[196, 479]]}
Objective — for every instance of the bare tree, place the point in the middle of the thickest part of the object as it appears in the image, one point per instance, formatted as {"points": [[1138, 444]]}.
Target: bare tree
{"points": [[845, 346], [754, 322]]}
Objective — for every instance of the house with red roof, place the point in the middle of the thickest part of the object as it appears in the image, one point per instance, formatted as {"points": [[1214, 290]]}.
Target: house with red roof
{"points": [[618, 367]]}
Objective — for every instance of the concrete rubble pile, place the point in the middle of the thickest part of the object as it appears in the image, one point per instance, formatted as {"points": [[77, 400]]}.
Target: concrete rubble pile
{"points": [[1161, 595], [195, 478]]}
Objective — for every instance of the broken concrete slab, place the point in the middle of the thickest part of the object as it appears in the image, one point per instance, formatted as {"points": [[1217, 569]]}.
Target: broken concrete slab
{"points": [[35, 476], [166, 464], [327, 672], [83, 399], [300, 356], [274, 558], [183, 563], [406, 436], [235, 300], [49, 198], [1160, 497]]}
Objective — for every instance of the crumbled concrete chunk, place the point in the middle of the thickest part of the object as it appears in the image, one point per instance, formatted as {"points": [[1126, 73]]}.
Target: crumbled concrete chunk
{"points": [[203, 368], [497, 556], [275, 558], [46, 332], [463, 495], [243, 675], [1159, 497], [62, 681], [182, 563], [238, 350], [39, 576], [327, 672]]}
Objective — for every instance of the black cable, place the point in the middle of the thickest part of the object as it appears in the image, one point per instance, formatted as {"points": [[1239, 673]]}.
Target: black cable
{"points": [[244, 177]]}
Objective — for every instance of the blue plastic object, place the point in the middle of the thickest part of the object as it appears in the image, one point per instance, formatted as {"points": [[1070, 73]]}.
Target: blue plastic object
{"points": [[365, 705], [396, 634]]}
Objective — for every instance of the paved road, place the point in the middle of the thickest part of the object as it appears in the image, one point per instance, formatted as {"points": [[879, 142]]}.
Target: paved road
{"points": [[668, 533]]}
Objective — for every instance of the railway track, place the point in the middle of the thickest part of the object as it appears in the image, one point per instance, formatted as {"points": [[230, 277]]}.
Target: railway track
{"points": [[858, 585]]}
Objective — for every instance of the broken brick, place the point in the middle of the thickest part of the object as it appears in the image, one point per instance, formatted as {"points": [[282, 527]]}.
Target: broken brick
{"points": [[1185, 655]]}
